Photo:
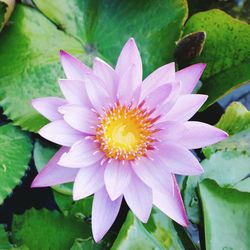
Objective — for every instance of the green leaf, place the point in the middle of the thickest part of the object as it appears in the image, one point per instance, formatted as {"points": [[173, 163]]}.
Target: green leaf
{"points": [[158, 233], [81, 209], [86, 244], [29, 58], [226, 217], [15, 153], [4, 240], [228, 169], [235, 119], [29, 55], [133, 235], [226, 52], [236, 122], [155, 25], [48, 230]]}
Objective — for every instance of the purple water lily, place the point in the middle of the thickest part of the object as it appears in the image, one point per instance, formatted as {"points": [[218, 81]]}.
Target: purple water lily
{"points": [[124, 137]]}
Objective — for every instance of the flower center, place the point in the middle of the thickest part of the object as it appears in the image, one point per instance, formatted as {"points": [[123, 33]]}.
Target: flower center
{"points": [[125, 133]]}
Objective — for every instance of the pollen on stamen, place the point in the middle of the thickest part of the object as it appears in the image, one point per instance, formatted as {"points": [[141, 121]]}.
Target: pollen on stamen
{"points": [[125, 132]]}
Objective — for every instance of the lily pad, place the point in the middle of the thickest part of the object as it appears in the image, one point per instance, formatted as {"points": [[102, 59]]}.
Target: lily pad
{"points": [[15, 148], [226, 216], [227, 168], [47, 230], [158, 233], [30, 67], [226, 52]]}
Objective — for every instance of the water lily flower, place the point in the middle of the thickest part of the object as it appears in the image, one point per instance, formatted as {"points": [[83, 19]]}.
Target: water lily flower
{"points": [[124, 137]]}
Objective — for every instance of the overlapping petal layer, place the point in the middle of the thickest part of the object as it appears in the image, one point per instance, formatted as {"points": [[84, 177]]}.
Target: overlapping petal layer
{"points": [[124, 137]]}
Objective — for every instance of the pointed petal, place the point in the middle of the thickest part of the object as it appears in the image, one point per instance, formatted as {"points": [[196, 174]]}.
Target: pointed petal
{"points": [[128, 83], [81, 119], [117, 176], [170, 131], [189, 77], [48, 107], [98, 95], [139, 198], [171, 204], [200, 134], [61, 133], [158, 96], [169, 102], [75, 92], [104, 212], [53, 174], [129, 55], [179, 160], [82, 154], [153, 174], [163, 75], [185, 107], [107, 74], [73, 68], [88, 181]]}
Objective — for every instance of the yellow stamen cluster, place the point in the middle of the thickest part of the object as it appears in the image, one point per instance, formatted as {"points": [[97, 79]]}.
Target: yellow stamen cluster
{"points": [[125, 132]]}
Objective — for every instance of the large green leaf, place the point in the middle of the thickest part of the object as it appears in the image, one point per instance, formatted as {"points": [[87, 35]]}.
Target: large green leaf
{"points": [[29, 58], [227, 168], [158, 233], [226, 217], [226, 52], [29, 47], [15, 153], [81, 208], [105, 25], [42, 229]]}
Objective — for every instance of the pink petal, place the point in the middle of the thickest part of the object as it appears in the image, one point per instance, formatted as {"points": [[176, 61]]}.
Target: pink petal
{"points": [[189, 77], [82, 153], [169, 102], [98, 95], [163, 75], [73, 68], [104, 212], [200, 134], [158, 96], [48, 107], [107, 74], [153, 173], [88, 181], [139, 198], [170, 131], [53, 174], [185, 107], [117, 176], [61, 133], [81, 118], [129, 56], [75, 92], [128, 83], [171, 204], [179, 160]]}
